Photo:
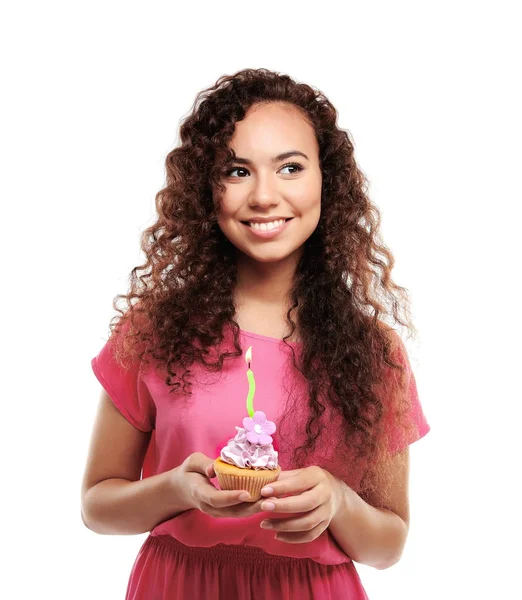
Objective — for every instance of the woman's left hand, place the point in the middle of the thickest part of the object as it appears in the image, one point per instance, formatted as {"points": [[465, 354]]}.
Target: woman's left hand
{"points": [[317, 496]]}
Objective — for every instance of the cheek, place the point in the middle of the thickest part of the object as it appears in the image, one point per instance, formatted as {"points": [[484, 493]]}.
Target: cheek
{"points": [[308, 194], [230, 203], [308, 204], [224, 216], [227, 219]]}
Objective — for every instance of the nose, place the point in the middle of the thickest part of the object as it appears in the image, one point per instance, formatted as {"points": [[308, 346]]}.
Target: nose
{"points": [[264, 192]]}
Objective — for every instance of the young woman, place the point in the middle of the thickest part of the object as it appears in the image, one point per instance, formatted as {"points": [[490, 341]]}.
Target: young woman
{"points": [[265, 237]]}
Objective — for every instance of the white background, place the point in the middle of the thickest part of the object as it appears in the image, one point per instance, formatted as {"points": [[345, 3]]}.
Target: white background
{"points": [[93, 96]]}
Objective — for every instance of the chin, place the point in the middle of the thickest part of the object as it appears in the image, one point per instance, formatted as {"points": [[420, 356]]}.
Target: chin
{"points": [[270, 257]]}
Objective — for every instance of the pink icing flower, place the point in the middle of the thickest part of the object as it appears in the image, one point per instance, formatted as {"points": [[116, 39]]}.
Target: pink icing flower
{"points": [[259, 429]]}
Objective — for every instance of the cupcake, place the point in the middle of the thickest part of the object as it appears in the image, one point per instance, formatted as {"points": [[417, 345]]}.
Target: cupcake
{"points": [[249, 461]]}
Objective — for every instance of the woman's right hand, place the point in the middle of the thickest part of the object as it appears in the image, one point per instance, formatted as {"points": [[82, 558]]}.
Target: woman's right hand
{"points": [[192, 478]]}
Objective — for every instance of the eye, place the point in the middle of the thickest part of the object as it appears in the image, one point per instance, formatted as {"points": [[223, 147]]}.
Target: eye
{"points": [[230, 171], [296, 166]]}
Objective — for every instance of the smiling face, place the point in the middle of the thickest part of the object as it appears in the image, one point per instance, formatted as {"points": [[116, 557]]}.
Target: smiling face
{"points": [[276, 179]]}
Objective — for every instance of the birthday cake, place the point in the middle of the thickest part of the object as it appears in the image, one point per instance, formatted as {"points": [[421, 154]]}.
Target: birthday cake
{"points": [[249, 461]]}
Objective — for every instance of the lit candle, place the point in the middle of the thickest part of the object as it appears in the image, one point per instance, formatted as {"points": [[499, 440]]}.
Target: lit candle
{"points": [[251, 383]]}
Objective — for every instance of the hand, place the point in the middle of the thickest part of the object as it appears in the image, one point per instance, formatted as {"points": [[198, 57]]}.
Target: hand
{"points": [[192, 479], [316, 494]]}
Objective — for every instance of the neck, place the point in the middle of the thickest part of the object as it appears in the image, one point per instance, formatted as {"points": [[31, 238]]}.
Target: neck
{"points": [[266, 283]]}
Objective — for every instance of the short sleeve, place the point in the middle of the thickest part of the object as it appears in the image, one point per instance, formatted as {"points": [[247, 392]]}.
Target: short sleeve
{"points": [[406, 421], [125, 387]]}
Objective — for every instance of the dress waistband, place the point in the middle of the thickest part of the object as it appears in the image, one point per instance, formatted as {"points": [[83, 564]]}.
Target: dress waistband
{"points": [[229, 553]]}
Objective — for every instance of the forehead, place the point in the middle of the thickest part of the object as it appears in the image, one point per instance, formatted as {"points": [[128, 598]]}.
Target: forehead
{"points": [[273, 128]]}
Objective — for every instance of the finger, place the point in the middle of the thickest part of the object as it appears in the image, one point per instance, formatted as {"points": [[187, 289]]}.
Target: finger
{"points": [[287, 474], [305, 522], [199, 463], [223, 498], [300, 481], [302, 537], [245, 509], [294, 504], [210, 472]]}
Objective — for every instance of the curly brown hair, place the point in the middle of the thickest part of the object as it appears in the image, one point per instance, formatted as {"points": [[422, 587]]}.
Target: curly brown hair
{"points": [[181, 300]]}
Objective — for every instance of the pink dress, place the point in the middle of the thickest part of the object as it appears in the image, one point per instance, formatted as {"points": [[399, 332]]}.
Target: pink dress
{"points": [[194, 555]]}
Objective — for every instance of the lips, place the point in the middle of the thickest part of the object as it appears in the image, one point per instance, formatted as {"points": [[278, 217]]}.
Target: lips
{"points": [[266, 233], [249, 223]]}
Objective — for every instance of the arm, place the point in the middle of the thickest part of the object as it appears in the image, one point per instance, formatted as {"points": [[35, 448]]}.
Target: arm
{"points": [[372, 529], [115, 500], [372, 533]]}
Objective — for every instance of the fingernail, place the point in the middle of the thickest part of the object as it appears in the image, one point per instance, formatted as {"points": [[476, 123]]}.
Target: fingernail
{"points": [[266, 525], [267, 491], [244, 496], [268, 506]]}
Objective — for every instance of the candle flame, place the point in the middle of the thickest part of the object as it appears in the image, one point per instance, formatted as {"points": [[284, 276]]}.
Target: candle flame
{"points": [[248, 356]]}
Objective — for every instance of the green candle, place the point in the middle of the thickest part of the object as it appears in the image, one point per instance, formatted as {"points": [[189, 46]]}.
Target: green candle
{"points": [[251, 383]]}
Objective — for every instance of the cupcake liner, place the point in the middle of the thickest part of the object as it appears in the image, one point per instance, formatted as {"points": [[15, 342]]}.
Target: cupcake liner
{"points": [[253, 485]]}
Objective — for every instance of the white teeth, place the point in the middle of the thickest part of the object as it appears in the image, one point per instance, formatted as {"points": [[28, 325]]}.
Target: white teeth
{"points": [[267, 226]]}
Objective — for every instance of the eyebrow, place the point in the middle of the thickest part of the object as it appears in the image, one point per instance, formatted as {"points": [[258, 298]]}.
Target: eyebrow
{"points": [[278, 158]]}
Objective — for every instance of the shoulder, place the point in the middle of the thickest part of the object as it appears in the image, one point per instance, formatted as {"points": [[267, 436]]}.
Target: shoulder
{"points": [[391, 336]]}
